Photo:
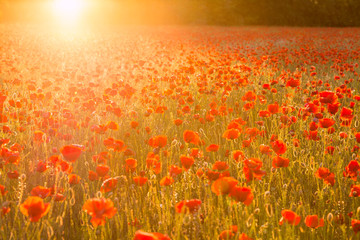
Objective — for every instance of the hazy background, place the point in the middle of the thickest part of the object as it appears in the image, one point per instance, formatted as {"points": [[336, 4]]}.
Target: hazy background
{"points": [[337, 13]]}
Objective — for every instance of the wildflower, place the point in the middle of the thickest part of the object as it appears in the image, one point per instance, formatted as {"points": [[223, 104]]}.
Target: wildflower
{"points": [[242, 194], [188, 206], [186, 162], [141, 235], [191, 137], [313, 221], [102, 170], [40, 191], [326, 175], [34, 208], [355, 224], [166, 181], [74, 179], [326, 122], [212, 148], [279, 147], [71, 152], [140, 181], [231, 134], [289, 217], [99, 209], [158, 141], [109, 185], [355, 191], [280, 162], [223, 186]]}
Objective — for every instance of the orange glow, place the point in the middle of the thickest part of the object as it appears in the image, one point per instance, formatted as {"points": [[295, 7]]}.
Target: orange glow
{"points": [[68, 11]]}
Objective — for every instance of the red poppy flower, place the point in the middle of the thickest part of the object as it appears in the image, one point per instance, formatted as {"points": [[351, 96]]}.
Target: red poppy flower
{"points": [[280, 162], [2, 190], [352, 170], [234, 124], [327, 97], [212, 148], [252, 169], [238, 155], [10, 156], [93, 176], [153, 164], [330, 150], [158, 141], [273, 108], [131, 164], [178, 122], [34, 208], [174, 170], [289, 217], [242, 194], [4, 210], [115, 144], [279, 147], [355, 224], [220, 166], [346, 116], [41, 167], [326, 122], [248, 106], [102, 170], [264, 114], [293, 83], [39, 136], [223, 186], [134, 124], [231, 134], [74, 179], [166, 181], [264, 149], [333, 108], [249, 96], [313, 126], [13, 174], [355, 191], [343, 135], [357, 136], [191, 137], [40, 191], [188, 206], [71, 152], [99, 209], [186, 162], [243, 236], [102, 157], [140, 181], [141, 235], [108, 185], [4, 141], [326, 175], [226, 235], [313, 221], [112, 125]]}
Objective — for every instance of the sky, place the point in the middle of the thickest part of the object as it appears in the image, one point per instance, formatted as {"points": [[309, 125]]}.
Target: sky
{"points": [[198, 12]]}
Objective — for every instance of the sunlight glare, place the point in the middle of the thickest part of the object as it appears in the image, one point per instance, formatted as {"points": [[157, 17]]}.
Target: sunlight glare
{"points": [[68, 11]]}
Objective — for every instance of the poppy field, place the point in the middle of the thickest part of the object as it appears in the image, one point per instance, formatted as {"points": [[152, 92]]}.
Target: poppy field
{"points": [[178, 133]]}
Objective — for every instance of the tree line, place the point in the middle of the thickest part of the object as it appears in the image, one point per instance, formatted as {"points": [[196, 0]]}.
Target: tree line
{"points": [[338, 13]]}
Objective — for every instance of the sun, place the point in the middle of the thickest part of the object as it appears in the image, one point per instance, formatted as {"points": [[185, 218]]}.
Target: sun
{"points": [[68, 11]]}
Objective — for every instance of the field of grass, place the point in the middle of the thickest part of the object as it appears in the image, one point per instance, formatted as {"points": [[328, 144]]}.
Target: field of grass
{"points": [[179, 133]]}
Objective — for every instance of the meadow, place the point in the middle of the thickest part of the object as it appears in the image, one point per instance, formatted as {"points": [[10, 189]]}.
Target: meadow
{"points": [[157, 133]]}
